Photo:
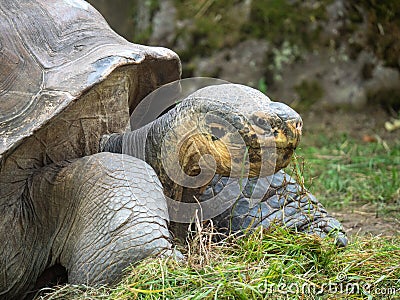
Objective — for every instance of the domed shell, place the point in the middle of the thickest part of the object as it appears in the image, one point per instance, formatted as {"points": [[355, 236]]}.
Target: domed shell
{"points": [[53, 52]]}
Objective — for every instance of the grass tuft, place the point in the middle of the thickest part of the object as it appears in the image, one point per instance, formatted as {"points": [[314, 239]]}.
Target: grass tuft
{"points": [[273, 263], [342, 172]]}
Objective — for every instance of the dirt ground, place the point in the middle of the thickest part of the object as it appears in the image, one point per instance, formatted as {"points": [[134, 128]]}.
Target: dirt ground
{"points": [[365, 126], [365, 220]]}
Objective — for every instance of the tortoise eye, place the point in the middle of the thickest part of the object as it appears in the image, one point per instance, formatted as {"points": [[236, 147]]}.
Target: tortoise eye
{"points": [[260, 122], [217, 132]]}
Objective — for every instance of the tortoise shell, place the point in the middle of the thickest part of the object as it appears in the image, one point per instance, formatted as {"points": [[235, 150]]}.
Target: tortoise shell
{"points": [[53, 53]]}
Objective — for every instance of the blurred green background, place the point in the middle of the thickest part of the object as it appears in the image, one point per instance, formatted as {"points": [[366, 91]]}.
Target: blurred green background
{"points": [[330, 52]]}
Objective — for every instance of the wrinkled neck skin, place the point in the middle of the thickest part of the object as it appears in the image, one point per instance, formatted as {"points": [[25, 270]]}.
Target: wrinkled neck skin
{"points": [[145, 143]]}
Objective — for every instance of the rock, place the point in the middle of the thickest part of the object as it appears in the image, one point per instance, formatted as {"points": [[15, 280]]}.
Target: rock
{"points": [[340, 79], [164, 24], [383, 78], [245, 63]]}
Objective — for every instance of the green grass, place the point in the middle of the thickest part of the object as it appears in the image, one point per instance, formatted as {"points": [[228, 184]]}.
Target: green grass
{"points": [[263, 265], [342, 171]]}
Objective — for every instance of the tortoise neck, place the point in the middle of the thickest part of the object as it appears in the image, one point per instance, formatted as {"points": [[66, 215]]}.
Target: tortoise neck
{"points": [[147, 143], [171, 144], [134, 143]]}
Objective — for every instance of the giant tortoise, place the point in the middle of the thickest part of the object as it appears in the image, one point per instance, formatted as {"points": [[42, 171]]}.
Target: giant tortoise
{"points": [[68, 85]]}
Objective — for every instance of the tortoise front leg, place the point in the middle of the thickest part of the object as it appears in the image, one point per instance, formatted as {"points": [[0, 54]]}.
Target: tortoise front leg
{"points": [[284, 202], [107, 211]]}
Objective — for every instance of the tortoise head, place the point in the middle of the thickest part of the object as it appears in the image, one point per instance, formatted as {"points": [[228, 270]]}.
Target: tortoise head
{"points": [[241, 129], [272, 135]]}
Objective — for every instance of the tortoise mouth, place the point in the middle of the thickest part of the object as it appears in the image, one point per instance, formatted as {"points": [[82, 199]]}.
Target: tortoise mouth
{"points": [[266, 161], [271, 150], [262, 158], [258, 161]]}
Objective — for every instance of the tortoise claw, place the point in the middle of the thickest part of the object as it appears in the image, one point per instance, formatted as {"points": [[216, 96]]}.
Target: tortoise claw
{"points": [[341, 240], [328, 226]]}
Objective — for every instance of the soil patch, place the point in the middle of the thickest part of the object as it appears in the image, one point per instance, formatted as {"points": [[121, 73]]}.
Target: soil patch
{"points": [[364, 220]]}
